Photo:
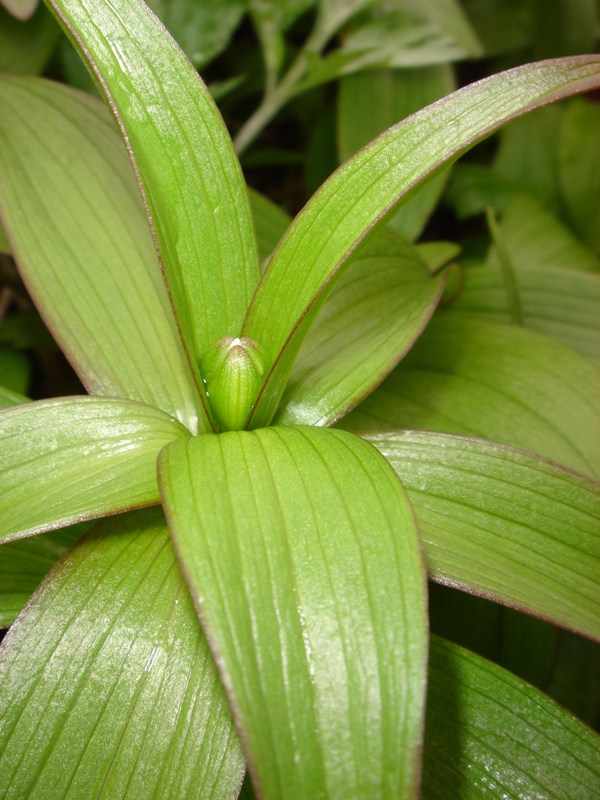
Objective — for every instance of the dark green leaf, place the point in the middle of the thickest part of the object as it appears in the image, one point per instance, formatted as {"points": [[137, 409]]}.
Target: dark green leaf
{"points": [[77, 458], [489, 736], [14, 370], [504, 524], [500, 382], [565, 27], [302, 555], [79, 232], [369, 321], [9, 398], [270, 222], [108, 688], [357, 198], [191, 179]]}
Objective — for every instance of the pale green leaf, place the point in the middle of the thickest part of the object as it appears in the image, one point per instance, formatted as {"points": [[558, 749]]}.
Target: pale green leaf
{"points": [[489, 735], [579, 168], [27, 46], [563, 304], [191, 178], [108, 689], [451, 19], [369, 322], [437, 254], [533, 237], [499, 382], [70, 203], [358, 197], [302, 555], [24, 563], [504, 524], [202, 29], [77, 458], [369, 102]]}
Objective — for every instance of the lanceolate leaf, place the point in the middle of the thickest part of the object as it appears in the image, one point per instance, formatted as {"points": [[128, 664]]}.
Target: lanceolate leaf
{"points": [[360, 195], [504, 524], [77, 458], [302, 556], [77, 226], [489, 735], [189, 173], [108, 689], [24, 563], [500, 382], [370, 320], [563, 304]]}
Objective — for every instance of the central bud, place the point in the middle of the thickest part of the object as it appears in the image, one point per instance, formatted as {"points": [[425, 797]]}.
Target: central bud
{"points": [[232, 370]]}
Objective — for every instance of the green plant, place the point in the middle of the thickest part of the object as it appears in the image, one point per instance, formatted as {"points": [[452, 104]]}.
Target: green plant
{"points": [[299, 544]]}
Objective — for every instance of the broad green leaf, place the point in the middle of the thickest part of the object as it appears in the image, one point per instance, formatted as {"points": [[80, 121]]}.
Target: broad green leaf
{"points": [[504, 524], [70, 203], [563, 304], [473, 188], [77, 458], [370, 320], [188, 171], [21, 9], [108, 689], [499, 382], [533, 237], [369, 102], [437, 254], [14, 370], [302, 556], [202, 29], [270, 223], [451, 19], [579, 168], [358, 197], [489, 735], [24, 563], [27, 46]]}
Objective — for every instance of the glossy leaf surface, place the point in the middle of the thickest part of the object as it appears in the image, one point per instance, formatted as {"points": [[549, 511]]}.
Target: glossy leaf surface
{"points": [[192, 181], [302, 555], [489, 735], [351, 204], [504, 524], [563, 304], [78, 230], [369, 321], [499, 382], [107, 686], [77, 458], [24, 563]]}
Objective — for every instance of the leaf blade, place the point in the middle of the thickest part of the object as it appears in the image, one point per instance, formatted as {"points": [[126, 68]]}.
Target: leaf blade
{"points": [[97, 709], [75, 458], [504, 524], [80, 235], [271, 595], [187, 168]]}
